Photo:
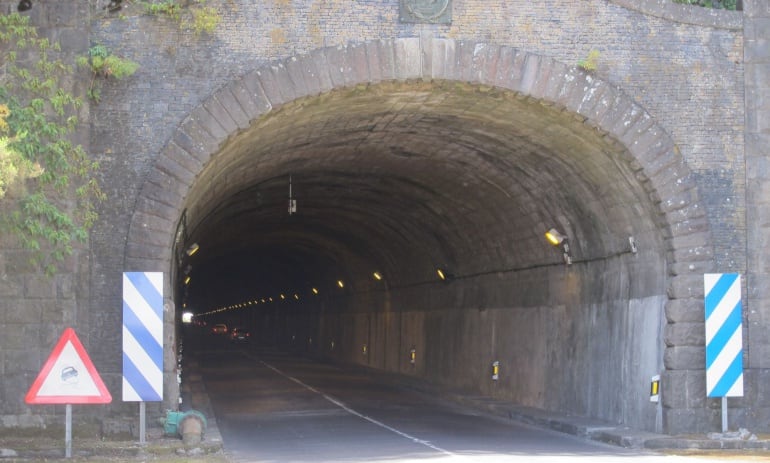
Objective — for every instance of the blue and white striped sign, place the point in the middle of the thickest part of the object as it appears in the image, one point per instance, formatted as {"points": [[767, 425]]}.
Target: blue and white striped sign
{"points": [[724, 335], [142, 336]]}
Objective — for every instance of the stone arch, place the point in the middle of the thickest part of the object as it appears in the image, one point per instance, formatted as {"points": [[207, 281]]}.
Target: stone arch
{"points": [[651, 152]]}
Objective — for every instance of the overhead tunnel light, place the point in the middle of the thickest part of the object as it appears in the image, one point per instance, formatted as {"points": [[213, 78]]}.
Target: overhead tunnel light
{"points": [[192, 249], [377, 276], [554, 237], [444, 275], [315, 290], [340, 283]]}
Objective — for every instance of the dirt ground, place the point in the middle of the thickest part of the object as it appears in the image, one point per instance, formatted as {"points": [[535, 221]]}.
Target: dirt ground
{"points": [[25, 447]]}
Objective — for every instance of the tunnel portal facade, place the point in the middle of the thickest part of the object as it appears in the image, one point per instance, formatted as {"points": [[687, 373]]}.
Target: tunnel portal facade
{"points": [[384, 202], [448, 126]]}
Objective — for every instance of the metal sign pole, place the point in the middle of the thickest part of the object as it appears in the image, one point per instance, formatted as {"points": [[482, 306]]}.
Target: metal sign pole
{"points": [[724, 414], [142, 422], [68, 431]]}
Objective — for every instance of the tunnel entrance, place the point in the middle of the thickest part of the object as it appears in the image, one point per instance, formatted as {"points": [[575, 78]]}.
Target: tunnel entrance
{"points": [[418, 240], [395, 182]]}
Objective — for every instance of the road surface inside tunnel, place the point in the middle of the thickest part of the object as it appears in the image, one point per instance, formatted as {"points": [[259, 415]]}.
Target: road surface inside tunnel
{"points": [[278, 407]]}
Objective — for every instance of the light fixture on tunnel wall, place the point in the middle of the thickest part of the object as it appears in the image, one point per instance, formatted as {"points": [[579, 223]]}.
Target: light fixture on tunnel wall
{"points": [[444, 275], [377, 276], [192, 249], [315, 291], [292, 201], [555, 238], [340, 283], [187, 280]]}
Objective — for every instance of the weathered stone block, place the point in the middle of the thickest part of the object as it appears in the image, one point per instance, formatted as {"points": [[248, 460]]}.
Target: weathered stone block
{"points": [[686, 286], [685, 334], [685, 310], [684, 357]]}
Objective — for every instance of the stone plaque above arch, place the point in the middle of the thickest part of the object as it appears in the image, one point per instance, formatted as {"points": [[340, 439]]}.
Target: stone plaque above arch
{"points": [[425, 11]]}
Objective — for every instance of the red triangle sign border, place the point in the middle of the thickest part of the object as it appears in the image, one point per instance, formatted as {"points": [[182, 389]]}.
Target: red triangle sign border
{"points": [[68, 337]]}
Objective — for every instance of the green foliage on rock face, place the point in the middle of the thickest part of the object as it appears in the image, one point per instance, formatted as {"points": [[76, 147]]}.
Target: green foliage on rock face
{"points": [[591, 62], [199, 18], [204, 19], [167, 7], [103, 63], [717, 4], [49, 189]]}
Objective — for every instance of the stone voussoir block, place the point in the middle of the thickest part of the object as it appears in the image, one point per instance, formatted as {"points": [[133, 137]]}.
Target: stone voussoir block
{"points": [[268, 83], [688, 310], [257, 93], [214, 118], [684, 357], [685, 286], [245, 99], [485, 58], [694, 267], [509, 66], [685, 334], [408, 58], [234, 110], [283, 82], [359, 63], [297, 73]]}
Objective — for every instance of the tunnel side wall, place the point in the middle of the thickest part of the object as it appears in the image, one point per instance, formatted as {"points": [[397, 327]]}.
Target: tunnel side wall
{"points": [[556, 351]]}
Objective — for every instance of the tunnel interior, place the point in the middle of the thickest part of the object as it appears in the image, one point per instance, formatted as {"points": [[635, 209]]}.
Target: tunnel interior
{"points": [[396, 181]]}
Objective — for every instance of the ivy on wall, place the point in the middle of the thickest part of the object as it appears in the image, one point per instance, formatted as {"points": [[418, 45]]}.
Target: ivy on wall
{"points": [[199, 18], [718, 4], [47, 185]]}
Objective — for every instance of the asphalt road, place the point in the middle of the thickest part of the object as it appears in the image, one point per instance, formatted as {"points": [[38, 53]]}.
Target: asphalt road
{"points": [[278, 408]]}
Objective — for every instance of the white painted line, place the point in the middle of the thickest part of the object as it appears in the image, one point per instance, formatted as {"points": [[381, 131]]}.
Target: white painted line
{"points": [[360, 415]]}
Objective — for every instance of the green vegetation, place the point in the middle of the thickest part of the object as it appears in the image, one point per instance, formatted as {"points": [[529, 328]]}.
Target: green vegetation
{"points": [[48, 187], [590, 62], [103, 63], [167, 7], [717, 4], [199, 19]]}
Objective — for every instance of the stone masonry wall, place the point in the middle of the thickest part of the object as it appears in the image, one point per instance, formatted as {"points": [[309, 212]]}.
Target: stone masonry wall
{"points": [[688, 74]]}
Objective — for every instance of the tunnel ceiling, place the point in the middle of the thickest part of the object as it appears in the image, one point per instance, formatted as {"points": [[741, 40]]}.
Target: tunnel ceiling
{"points": [[403, 178]]}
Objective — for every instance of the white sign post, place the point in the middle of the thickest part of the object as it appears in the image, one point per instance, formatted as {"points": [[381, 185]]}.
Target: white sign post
{"points": [[142, 341], [724, 337], [68, 377]]}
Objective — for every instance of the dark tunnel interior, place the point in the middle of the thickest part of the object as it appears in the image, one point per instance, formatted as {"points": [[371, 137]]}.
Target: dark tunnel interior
{"points": [[402, 183], [405, 179]]}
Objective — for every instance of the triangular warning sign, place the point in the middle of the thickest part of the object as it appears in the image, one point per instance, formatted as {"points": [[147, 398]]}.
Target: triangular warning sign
{"points": [[68, 376]]}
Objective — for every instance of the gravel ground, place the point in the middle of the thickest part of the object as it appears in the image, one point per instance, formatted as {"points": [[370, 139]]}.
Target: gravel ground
{"points": [[29, 447]]}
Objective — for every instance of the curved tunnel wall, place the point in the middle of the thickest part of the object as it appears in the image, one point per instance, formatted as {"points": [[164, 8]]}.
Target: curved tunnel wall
{"points": [[417, 154]]}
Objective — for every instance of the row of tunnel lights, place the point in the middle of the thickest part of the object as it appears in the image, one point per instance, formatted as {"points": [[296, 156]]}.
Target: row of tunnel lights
{"points": [[442, 275], [552, 236]]}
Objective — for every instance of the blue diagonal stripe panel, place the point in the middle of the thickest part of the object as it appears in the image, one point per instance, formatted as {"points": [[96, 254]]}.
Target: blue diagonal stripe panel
{"points": [[141, 387], [142, 336], [725, 332], [150, 293], [724, 335], [718, 291], [731, 376]]}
